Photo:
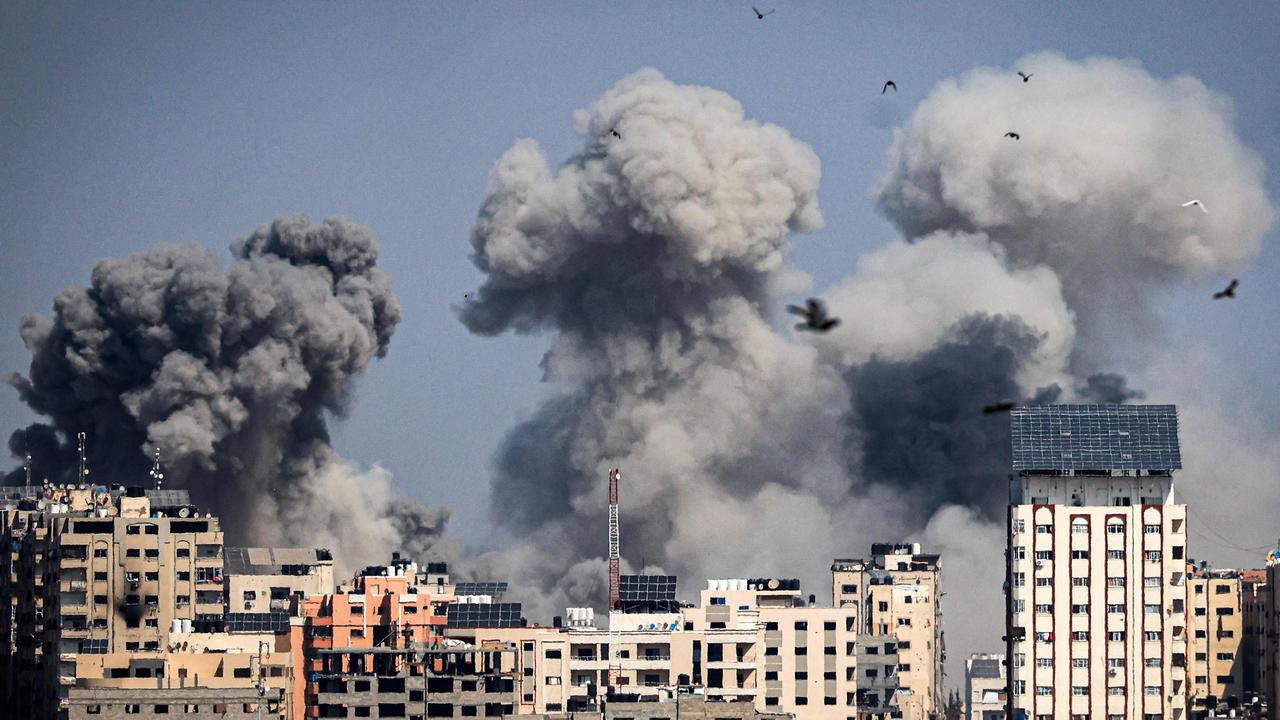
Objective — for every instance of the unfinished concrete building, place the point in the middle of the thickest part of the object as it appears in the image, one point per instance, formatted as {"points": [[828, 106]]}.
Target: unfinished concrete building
{"points": [[413, 681]]}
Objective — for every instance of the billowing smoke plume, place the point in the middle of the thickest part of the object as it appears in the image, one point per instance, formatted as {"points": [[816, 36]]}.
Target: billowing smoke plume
{"points": [[231, 373], [1094, 188], [655, 262]]}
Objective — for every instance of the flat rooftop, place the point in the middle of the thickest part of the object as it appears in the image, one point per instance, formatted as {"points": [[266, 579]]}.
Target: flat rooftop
{"points": [[1054, 438]]}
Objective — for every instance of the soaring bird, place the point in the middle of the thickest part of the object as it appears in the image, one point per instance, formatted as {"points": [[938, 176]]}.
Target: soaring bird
{"points": [[815, 316], [1002, 406], [1197, 203], [889, 84], [760, 15], [1025, 76], [1229, 291], [615, 133], [1013, 135]]}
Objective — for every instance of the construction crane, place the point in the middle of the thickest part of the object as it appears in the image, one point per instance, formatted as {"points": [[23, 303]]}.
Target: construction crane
{"points": [[615, 594]]}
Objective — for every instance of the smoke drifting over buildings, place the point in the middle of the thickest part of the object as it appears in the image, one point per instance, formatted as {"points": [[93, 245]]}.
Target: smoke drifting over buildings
{"points": [[231, 373], [655, 263]]}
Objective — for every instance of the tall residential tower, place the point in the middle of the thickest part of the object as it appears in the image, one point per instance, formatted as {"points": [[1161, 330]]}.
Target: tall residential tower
{"points": [[1096, 623]]}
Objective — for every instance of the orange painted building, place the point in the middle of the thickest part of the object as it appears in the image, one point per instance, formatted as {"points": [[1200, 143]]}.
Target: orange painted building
{"points": [[374, 611]]}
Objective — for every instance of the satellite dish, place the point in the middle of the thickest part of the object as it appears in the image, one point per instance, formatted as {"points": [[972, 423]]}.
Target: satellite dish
{"points": [[184, 512]]}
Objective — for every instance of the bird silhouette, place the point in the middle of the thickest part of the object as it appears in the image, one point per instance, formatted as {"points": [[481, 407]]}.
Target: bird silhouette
{"points": [[1198, 204], [815, 316], [1025, 76], [615, 133], [1002, 406], [889, 84], [1013, 135], [760, 15], [1229, 291]]}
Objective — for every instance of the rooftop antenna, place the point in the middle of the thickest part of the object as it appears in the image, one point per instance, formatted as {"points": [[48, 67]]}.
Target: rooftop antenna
{"points": [[27, 467], [156, 473], [615, 598], [84, 463]]}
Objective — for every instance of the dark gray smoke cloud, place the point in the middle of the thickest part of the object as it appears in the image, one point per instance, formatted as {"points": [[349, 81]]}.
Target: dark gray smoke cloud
{"points": [[919, 424], [232, 374]]}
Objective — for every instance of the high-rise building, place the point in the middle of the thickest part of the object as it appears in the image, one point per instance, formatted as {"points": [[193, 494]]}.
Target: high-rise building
{"points": [[1096, 622], [103, 570], [897, 594], [984, 687]]}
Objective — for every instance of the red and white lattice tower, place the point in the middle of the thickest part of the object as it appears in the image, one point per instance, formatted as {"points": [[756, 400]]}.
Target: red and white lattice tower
{"points": [[615, 595]]}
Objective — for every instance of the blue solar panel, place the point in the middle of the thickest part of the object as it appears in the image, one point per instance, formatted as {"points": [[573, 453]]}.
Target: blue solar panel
{"points": [[480, 588], [484, 615], [647, 587], [1095, 437]]}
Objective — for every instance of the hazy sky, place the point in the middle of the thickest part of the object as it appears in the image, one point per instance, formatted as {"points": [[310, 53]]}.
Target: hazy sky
{"points": [[126, 125]]}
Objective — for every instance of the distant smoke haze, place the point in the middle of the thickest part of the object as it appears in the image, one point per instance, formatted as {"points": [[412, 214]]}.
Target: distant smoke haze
{"points": [[231, 373]]}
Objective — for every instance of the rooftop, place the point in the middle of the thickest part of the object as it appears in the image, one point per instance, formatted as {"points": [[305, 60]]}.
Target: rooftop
{"points": [[1095, 437], [273, 561]]}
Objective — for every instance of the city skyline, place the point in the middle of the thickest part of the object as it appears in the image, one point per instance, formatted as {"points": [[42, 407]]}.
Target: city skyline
{"points": [[157, 132]]}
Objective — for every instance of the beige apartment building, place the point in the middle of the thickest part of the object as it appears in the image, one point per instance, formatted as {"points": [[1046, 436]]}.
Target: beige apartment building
{"points": [[897, 593], [103, 570], [1097, 623], [1271, 648], [211, 675], [1217, 627], [747, 640], [266, 580]]}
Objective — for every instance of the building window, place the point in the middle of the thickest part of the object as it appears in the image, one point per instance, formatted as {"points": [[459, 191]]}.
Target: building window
{"points": [[1151, 529], [1044, 608], [801, 625], [1115, 582], [1079, 554], [1079, 635], [1153, 555], [1079, 690], [1044, 529], [1117, 635], [1115, 608], [1018, 552], [1080, 582], [1115, 528], [1115, 554], [1151, 582], [1044, 690], [1044, 554], [1080, 663], [1019, 525], [1080, 609], [1019, 687], [1151, 608], [1152, 634], [717, 601], [1116, 690], [1152, 690], [1046, 662]]}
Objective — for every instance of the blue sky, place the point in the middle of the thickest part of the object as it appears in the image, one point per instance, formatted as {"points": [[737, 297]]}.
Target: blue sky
{"points": [[125, 125]]}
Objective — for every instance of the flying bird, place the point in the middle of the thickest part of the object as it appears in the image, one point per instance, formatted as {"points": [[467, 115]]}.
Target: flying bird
{"points": [[889, 84], [615, 133], [1197, 203], [815, 316], [1228, 292], [1013, 135], [760, 15], [1025, 76], [1002, 406]]}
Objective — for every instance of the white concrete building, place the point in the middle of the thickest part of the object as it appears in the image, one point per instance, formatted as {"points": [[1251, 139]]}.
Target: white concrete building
{"points": [[1096, 574]]}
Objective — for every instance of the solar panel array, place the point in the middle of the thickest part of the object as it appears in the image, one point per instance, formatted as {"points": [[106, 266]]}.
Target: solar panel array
{"points": [[484, 615], [274, 622], [94, 646], [1095, 437], [480, 588], [647, 587]]}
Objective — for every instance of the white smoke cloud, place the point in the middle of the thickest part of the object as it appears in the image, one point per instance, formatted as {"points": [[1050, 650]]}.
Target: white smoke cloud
{"points": [[1093, 189], [901, 300]]}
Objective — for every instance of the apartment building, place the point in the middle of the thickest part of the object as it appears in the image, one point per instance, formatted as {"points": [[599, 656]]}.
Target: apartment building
{"points": [[197, 675], [98, 570], [687, 706], [1096, 613], [25, 530], [1216, 669], [264, 580], [897, 594], [754, 640], [984, 687], [1271, 649], [1254, 592], [877, 677]]}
